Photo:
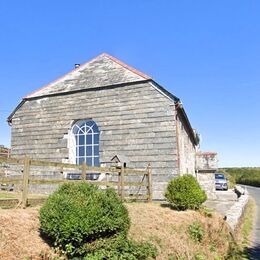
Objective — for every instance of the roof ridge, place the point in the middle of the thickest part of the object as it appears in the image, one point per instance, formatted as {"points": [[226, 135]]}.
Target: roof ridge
{"points": [[139, 73], [84, 64]]}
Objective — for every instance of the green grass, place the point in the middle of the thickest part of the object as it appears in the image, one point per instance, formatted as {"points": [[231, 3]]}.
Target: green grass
{"points": [[239, 249], [5, 195], [248, 222], [8, 195], [17, 195]]}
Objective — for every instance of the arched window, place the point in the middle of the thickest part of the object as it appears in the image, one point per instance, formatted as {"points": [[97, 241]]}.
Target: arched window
{"points": [[87, 142]]}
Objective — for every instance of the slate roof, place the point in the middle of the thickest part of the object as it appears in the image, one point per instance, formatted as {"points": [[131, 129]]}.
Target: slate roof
{"points": [[104, 70]]}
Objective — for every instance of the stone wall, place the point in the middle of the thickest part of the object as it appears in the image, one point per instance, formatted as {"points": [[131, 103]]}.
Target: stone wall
{"points": [[206, 161], [187, 149], [235, 213], [134, 120], [206, 166], [207, 183]]}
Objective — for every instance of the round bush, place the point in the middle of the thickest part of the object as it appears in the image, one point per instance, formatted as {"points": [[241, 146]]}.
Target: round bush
{"points": [[184, 192], [79, 213]]}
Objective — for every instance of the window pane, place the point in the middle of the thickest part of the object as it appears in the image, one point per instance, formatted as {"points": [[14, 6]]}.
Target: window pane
{"points": [[89, 150], [96, 139], [80, 132], [96, 150], [89, 161], [96, 161], [95, 128], [83, 129], [81, 151], [89, 130], [89, 139], [81, 140]]}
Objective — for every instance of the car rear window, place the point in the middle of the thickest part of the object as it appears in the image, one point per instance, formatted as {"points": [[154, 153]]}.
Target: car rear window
{"points": [[219, 176]]}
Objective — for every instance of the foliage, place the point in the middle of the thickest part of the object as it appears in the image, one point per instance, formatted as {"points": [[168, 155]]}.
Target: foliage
{"points": [[80, 213], [196, 231], [120, 248], [206, 212], [246, 176], [82, 220], [184, 192]]}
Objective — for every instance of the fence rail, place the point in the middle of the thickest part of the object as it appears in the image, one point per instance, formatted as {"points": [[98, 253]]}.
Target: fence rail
{"points": [[121, 181]]}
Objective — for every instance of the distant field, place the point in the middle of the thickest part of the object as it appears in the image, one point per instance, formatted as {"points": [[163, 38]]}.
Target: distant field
{"points": [[246, 176]]}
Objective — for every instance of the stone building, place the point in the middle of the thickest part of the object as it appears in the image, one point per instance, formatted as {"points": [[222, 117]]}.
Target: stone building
{"points": [[101, 109], [206, 166]]}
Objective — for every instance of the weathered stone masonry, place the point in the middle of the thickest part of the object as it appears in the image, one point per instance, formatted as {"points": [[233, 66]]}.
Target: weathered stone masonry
{"points": [[136, 118], [141, 129]]}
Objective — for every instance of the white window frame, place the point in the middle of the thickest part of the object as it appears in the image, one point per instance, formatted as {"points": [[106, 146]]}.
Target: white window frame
{"points": [[86, 128]]}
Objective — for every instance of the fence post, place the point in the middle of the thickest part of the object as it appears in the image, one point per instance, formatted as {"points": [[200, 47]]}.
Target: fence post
{"points": [[119, 181], [149, 183], [84, 171], [122, 182], [26, 171]]}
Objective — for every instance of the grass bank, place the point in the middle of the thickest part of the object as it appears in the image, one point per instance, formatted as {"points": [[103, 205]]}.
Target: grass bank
{"points": [[244, 233], [176, 234]]}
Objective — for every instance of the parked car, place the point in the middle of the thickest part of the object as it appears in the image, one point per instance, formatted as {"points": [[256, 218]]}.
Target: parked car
{"points": [[7, 187], [221, 182]]}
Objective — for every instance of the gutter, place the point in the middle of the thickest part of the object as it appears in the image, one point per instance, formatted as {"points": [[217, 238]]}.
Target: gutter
{"points": [[179, 108], [9, 118], [177, 139]]}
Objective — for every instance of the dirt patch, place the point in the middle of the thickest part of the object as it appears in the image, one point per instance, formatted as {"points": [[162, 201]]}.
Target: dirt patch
{"points": [[168, 230], [19, 234]]}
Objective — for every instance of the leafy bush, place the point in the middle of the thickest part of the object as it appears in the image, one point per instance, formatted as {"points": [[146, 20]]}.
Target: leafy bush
{"points": [[80, 213], [82, 220], [184, 192], [120, 248], [196, 231]]}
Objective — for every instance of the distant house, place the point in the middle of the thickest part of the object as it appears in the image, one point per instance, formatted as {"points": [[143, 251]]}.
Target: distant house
{"points": [[102, 109]]}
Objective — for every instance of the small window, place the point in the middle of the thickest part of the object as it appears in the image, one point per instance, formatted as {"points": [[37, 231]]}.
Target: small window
{"points": [[86, 134]]}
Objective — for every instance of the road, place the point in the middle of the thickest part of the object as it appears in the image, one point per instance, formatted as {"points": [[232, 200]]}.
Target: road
{"points": [[255, 249]]}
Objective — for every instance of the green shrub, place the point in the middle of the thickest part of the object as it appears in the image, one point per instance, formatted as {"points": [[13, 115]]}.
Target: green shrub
{"points": [[83, 221], [77, 214], [196, 231], [184, 192], [120, 248]]}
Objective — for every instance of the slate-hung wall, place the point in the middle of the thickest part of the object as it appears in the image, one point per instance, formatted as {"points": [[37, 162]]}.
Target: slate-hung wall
{"points": [[136, 118], [186, 148]]}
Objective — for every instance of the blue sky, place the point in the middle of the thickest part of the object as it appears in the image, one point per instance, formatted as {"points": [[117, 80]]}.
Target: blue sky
{"points": [[205, 52]]}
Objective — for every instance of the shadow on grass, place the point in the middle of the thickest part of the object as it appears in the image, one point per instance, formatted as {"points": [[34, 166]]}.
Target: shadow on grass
{"points": [[45, 238], [169, 206]]}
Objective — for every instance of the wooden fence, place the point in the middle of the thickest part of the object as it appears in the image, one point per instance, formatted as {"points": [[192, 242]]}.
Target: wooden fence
{"points": [[121, 183]]}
